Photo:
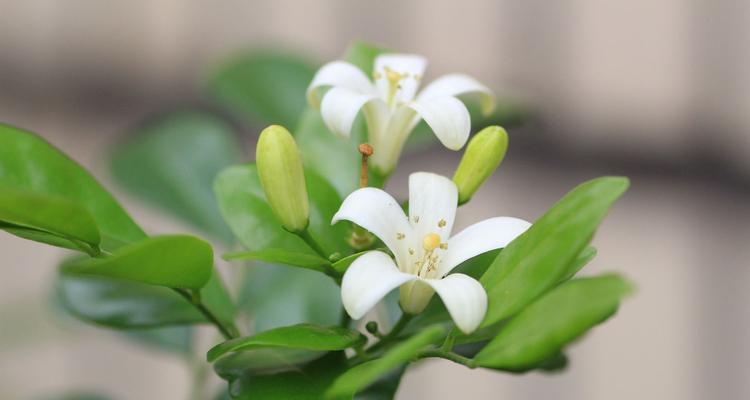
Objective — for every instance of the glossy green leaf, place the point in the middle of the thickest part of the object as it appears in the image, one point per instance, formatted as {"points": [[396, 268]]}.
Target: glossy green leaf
{"points": [[538, 259], [171, 162], [121, 304], [306, 383], [300, 336], [385, 387], [543, 328], [263, 87], [581, 261], [343, 264], [53, 215], [176, 261], [263, 361], [29, 164], [244, 207], [276, 296], [280, 256], [177, 340], [361, 376]]}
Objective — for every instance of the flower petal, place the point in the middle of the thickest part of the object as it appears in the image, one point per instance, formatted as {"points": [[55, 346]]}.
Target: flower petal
{"points": [[456, 85], [410, 66], [379, 213], [432, 205], [340, 107], [368, 280], [490, 234], [338, 74], [447, 117], [388, 142], [464, 298]]}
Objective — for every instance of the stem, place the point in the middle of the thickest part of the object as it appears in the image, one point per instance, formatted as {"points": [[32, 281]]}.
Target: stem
{"points": [[400, 325], [305, 235], [366, 151], [468, 362], [227, 332], [449, 340]]}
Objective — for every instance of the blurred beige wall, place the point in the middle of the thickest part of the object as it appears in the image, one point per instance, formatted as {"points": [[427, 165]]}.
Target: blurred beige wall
{"points": [[645, 80]]}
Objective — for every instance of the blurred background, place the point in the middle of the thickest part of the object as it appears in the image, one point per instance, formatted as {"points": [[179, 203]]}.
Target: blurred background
{"points": [[657, 91]]}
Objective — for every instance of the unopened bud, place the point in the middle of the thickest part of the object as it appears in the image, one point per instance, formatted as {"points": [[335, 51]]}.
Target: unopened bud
{"points": [[282, 177], [483, 154]]}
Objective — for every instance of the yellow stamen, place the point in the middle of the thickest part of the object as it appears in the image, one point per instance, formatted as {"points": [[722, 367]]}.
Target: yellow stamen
{"points": [[431, 242]]}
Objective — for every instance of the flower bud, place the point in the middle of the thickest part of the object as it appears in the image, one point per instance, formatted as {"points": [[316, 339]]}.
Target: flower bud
{"points": [[483, 154], [282, 177]]}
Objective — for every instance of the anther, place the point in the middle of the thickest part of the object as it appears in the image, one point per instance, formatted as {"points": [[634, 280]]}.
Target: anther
{"points": [[431, 242]]}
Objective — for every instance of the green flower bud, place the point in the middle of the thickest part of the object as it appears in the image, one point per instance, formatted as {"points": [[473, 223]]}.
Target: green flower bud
{"points": [[282, 177], [483, 154]]}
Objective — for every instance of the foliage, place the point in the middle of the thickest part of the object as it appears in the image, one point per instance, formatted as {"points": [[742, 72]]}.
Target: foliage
{"points": [[296, 345]]}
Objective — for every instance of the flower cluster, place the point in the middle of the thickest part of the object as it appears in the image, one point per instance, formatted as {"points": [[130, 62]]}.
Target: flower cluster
{"points": [[422, 251]]}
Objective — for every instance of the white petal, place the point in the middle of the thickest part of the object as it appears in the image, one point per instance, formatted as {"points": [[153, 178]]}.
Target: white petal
{"points": [[448, 118], [368, 280], [410, 66], [340, 108], [490, 234], [388, 142], [458, 84], [379, 213], [432, 205], [464, 298], [338, 74]]}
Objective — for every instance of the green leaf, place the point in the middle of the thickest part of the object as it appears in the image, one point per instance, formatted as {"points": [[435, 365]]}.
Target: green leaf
{"points": [[30, 164], [543, 328], [343, 264], [584, 258], [384, 388], [244, 207], [122, 304], [361, 376], [176, 261], [265, 87], [300, 336], [306, 383], [538, 259], [175, 340], [263, 361], [279, 296], [281, 256], [52, 215], [172, 161]]}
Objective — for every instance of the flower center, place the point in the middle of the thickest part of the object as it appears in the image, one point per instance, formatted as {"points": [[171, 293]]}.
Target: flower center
{"points": [[427, 265], [393, 77]]}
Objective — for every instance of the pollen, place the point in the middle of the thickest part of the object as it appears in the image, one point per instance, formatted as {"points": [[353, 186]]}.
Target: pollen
{"points": [[392, 75], [416, 219], [444, 246], [441, 223], [431, 241], [400, 235]]}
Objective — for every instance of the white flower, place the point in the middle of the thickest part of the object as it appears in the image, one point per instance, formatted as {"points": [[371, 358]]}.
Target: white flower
{"points": [[423, 249], [391, 105]]}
